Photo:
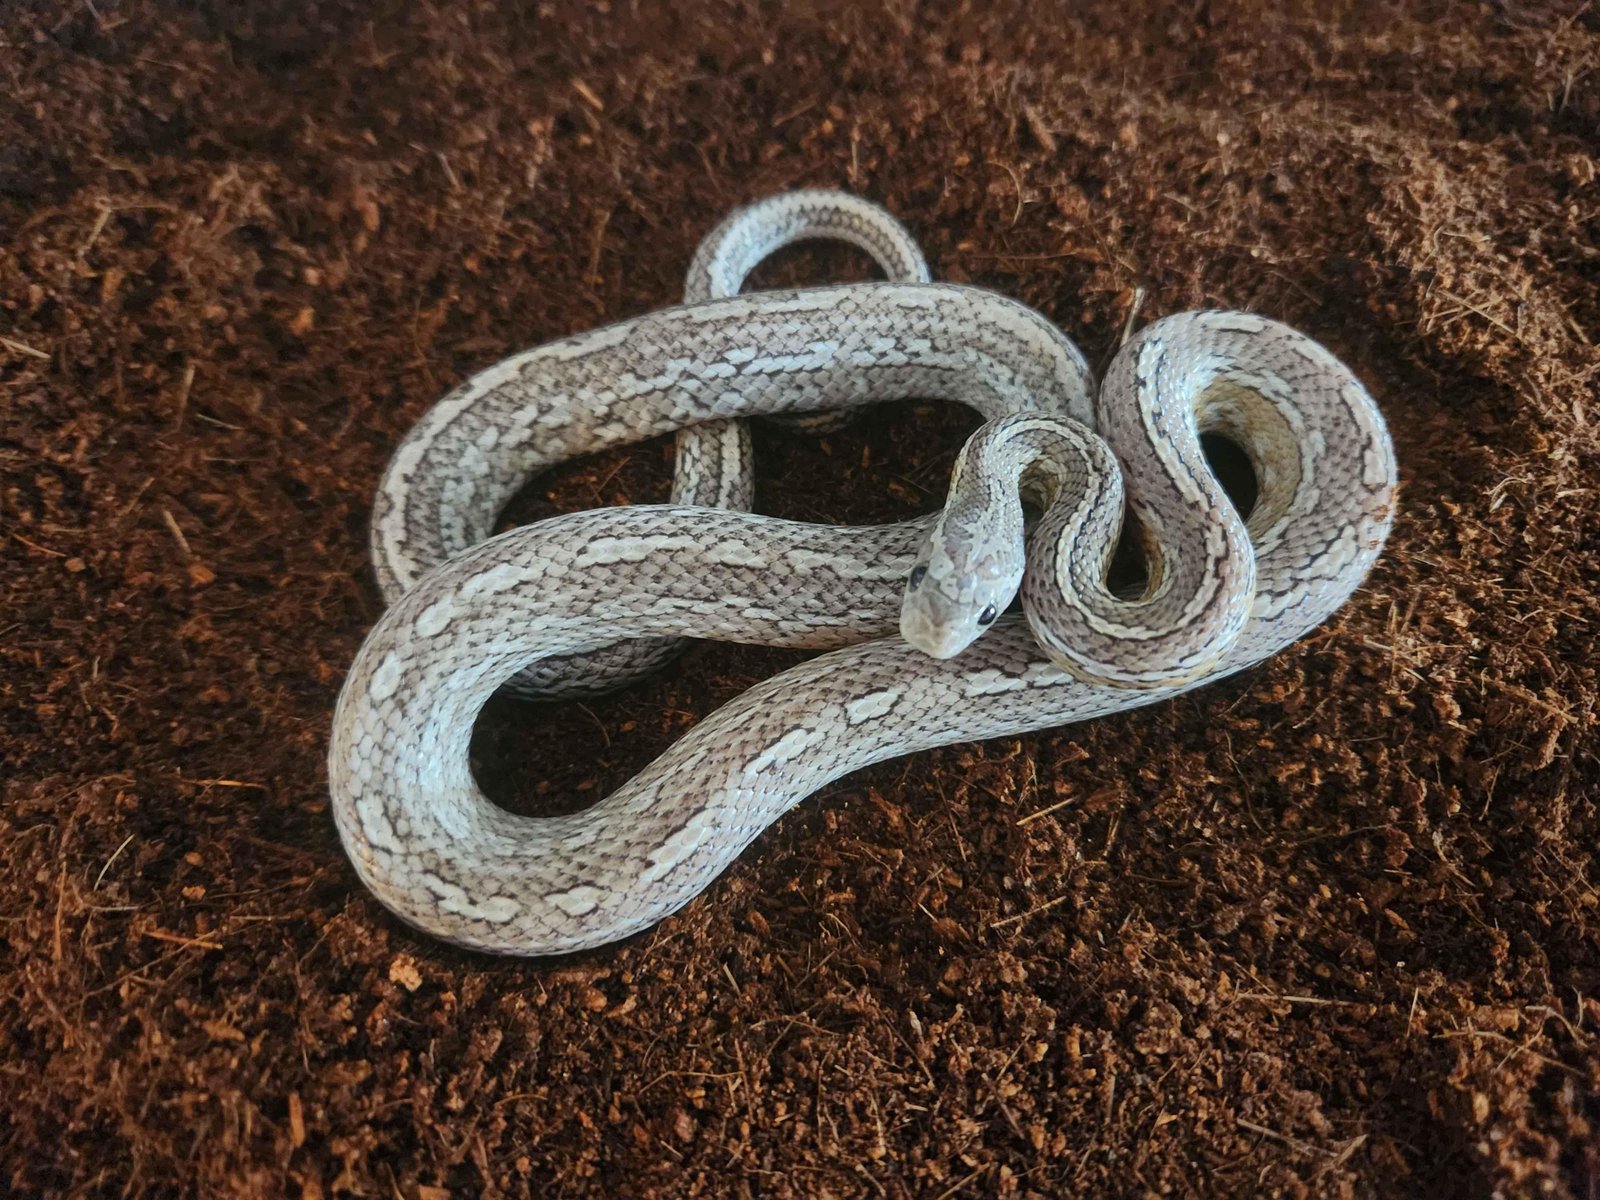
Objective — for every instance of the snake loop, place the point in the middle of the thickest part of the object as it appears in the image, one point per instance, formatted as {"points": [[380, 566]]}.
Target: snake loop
{"points": [[715, 464]]}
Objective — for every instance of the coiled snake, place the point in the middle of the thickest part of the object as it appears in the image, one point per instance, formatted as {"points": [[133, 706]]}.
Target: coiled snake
{"points": [[471, 614]]}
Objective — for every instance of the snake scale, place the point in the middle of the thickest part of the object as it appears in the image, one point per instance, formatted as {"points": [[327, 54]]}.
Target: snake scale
{"points": [[563, 605]]}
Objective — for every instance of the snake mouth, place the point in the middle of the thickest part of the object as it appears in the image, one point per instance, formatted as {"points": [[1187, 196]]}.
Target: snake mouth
{"points": [[934, 638]]}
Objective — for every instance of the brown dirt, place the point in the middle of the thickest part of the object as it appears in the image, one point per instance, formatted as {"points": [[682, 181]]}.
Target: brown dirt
{"points": [[1329, 928]]}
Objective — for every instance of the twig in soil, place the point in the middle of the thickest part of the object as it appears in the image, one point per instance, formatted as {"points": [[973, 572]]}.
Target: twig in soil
{"points": [[717, 1075], [184, 385], [1040, 131], [1016, 182], [94, 234], [23, 348], [100, 877], [1515, 1048], [220, 424], [596, 245], [959, 1184], [1575, 1034], [911, 1050], [177, 939], [1023, 916], [1133, 315], [1047, 810], [177, 533], [61, 905], [599, 488], [449, 175], [1005, 1109], [861, 1170], [1471, 307], [1304, 1147], [1003, 257], [1291, 999], [36, 546], [956, 833], [1347, 1150]]}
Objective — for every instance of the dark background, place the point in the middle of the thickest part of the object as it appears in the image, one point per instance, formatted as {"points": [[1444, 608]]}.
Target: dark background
{"points": [[1329, 928]]}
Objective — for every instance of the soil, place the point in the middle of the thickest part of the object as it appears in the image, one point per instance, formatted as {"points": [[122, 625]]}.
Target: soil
{"points": [[1330, 928]]}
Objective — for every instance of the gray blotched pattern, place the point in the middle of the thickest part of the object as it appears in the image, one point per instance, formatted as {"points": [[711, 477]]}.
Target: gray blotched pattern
{"points": [[771, 352], [437, 852], [715, 462]]}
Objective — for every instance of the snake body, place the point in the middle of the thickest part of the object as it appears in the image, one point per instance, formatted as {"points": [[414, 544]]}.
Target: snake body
{"points": [[715, 462], [472, 613]]}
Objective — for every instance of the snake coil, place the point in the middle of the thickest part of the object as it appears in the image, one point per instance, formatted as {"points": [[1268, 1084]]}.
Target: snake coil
{"points": [[560, 606]]}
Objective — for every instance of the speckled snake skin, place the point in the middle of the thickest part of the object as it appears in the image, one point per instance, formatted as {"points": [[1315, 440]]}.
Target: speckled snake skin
{"points": [[1222, 595], [715, 466]]}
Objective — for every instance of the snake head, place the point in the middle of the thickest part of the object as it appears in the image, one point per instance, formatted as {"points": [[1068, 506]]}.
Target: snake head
{"points": [[955, 592]]}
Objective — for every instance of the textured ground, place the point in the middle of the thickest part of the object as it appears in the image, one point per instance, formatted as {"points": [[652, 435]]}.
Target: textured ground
{"points": [[1330, 928]]}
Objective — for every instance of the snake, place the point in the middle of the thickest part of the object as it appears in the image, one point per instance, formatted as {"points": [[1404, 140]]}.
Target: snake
{"points": [[920, 648], [715, 464]]}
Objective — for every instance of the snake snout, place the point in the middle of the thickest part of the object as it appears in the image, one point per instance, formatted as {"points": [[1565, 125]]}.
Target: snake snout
{"points": [[941, 624], [939, 635]]}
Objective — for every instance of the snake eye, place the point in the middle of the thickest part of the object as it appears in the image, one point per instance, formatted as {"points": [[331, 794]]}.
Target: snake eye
{"points": [[918, 574], [987, 616]]}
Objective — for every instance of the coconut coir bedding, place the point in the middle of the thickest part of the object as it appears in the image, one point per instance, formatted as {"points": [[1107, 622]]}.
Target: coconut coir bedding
{"points": [[1328, 928]]}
